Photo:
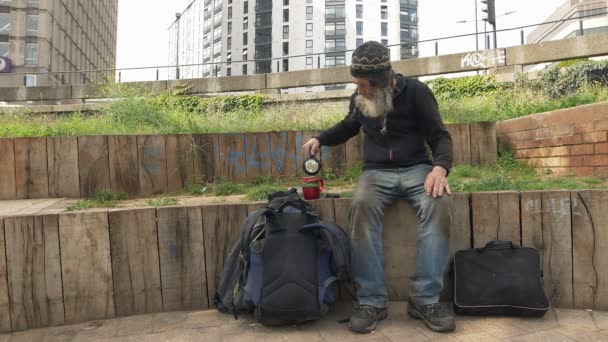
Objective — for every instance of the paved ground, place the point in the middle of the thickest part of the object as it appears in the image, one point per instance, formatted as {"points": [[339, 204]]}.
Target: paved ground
{"points": [[557, 325]]}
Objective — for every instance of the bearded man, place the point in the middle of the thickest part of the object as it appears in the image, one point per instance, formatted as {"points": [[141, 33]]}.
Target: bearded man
{"points": [[399, 116]]}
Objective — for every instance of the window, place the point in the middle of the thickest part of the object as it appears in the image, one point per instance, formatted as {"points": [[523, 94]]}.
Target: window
{"points": [[333, 29], [245, 7], [245, 24], [5, 23], [32, 3], [309, 30], [408, 16], [285, 32], [263, 19], [332, 61], [309, 1], [285, 2], [286, 15], [217, 48], [244, 69], [335, 11], [359, 42], [385, 42], [308, 46], [229, 43], [230, 27], [384, 27], [31, 54], [4, 49], [308, 62], [332, 45], [30, 80], [229, 58], [285, 64], [359, 28], [308, 12], [229, 12], [244, 54], [229, 72], [359, 11], [245, 42], [285, 48], [383, 12]]}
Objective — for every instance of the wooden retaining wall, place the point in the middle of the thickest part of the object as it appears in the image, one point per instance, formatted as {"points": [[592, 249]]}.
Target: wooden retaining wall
{"points": [[144, 165], [97, 264]]}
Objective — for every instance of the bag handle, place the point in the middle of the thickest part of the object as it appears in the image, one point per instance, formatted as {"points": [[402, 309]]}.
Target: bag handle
{"points": [[499, 244]]}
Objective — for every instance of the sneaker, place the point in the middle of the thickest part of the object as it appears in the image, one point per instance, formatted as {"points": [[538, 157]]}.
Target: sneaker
{"points": [[435, 316], [365, 318]]}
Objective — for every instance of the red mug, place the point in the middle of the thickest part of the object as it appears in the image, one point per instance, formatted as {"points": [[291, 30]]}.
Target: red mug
{"points": [[312, 187]]}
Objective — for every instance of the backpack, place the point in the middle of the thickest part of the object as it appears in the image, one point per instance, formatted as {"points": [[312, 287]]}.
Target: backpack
{"points": [[284, 265]]}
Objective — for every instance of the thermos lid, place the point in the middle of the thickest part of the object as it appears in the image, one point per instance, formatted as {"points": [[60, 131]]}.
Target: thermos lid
{"points": [[311, 166]]}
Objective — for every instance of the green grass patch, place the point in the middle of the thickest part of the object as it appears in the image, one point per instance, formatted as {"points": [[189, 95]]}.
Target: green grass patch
{"points": [[102, 199], [161, 202]]}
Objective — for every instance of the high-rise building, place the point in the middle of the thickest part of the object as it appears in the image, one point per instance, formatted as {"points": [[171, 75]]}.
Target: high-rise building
{"points": [[41, 39], [592, 14], [228, 38]]}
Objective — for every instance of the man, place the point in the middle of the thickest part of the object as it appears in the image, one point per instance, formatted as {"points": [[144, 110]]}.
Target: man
{"points": [[398, 115]]}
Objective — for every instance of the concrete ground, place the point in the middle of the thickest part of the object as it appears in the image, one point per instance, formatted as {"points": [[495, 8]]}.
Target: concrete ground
{"points": [[556, 325]]}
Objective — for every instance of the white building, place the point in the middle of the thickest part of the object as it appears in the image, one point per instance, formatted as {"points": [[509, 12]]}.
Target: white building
{"points": [[213, 38]]}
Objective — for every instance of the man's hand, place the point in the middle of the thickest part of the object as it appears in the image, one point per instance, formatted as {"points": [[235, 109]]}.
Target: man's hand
{"points": [[311, 147], [436, 182]]}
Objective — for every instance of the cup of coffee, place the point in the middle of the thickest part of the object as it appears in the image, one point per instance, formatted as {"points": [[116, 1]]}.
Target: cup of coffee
{"points": [[312, 187]]}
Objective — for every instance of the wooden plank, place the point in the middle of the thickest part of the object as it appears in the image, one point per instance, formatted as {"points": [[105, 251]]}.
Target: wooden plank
{"points": [[557, 256], [207, 150], [63, 170], [461, 143], [31, 171], [334, 159], [460, 236], [399, 241], [8, 189], [531, 220], [232, 157], [590, 249], [251, 207], [283, 153], [180, 161], [86, 266], [182, 258], [222, 228], [124, 174], [34, 272], [485, 217], [508, 217], [135, 261], [94, 164], [152, 164], [354, 151], [325, 208], [341, 208], [5, 317], [483, 142], [257, 151]]}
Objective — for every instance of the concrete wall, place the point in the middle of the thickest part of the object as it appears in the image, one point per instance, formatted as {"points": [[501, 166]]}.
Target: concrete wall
{"points": [[566, 141]]}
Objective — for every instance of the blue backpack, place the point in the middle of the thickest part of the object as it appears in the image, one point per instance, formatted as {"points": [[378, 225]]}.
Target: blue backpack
{"points": [[284, 265]]}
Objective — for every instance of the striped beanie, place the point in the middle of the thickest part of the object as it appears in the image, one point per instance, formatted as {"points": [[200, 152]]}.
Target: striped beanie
{"points": [[372, 60]]}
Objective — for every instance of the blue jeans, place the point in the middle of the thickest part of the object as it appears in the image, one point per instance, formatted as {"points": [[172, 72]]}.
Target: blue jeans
{"points": [[376, 190]]}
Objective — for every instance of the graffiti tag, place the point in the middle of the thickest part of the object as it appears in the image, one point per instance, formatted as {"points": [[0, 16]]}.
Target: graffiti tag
{"points": [[485, 59]]}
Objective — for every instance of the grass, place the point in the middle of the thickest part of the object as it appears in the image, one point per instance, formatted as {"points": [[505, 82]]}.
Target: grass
{"points": [[144, 115], [102, 199], [161, 202]]}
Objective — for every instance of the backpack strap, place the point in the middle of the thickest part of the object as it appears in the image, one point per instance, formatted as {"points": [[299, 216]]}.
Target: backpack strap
{"points": [[248, 229], [337, 240]]}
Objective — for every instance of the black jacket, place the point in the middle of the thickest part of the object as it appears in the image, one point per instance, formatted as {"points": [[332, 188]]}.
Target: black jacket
{"points": [[414, 121]]}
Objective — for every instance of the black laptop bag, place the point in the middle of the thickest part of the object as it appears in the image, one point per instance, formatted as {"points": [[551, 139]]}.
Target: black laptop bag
{"points": [[499, 279]]}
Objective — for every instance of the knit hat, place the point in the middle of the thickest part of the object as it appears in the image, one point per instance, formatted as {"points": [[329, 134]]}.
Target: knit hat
{"points": [[372, 60]]}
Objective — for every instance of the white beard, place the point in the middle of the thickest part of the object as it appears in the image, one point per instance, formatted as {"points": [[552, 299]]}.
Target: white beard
{"points": [[380, 104]]}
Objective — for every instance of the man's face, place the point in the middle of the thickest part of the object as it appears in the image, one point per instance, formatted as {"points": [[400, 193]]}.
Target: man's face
{"points": [[364, 87]]}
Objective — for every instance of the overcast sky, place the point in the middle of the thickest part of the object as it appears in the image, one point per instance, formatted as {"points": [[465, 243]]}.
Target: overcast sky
{"points": [[143, 38]]}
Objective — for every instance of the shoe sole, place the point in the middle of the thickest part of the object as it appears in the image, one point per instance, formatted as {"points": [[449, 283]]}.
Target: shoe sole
{"points": [[370, 328], [415, 314]]}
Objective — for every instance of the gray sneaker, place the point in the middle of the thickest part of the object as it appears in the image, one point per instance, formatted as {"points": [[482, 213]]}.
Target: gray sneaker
{"points": [[435, 316], [365, 318]]}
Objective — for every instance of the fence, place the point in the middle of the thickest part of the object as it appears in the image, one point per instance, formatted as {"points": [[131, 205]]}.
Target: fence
{"points": [[82, 266], [49, 167]]}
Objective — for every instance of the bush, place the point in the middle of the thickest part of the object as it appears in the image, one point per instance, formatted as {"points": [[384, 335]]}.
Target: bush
{"points": [[562, 81], [452, 88]]}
